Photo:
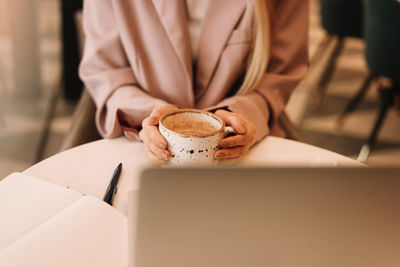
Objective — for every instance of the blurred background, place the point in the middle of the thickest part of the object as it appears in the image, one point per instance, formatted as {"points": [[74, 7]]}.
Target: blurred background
{"points": [[353, 64]]}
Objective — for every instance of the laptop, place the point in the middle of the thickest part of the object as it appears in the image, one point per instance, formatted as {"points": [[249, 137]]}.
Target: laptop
{"points": [[257, 217]]}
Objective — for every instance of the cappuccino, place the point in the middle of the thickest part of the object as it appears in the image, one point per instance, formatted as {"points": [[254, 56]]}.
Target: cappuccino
{"points": [[192, 124], [193, 128]]}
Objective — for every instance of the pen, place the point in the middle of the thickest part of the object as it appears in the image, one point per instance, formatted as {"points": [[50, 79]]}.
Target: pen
{"points": [[112, 187]]}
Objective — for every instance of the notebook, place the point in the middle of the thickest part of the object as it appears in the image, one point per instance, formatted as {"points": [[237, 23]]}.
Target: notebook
{"points": [[266, 217], [43, 224]]}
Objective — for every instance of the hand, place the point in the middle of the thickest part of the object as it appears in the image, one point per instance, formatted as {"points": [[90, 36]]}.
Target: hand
{"points": [[235, 146], [156, 147]]}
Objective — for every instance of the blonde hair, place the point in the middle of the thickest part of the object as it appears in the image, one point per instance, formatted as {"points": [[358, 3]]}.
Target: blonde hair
{"points": [[260, 51]]}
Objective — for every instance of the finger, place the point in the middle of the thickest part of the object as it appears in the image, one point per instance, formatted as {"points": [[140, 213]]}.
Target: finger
{"points": [[150, 121], [152, 134], [237, 140], [231, 153], [157, 113], [155, 142], [252, 141], [232, 119], [225, 162], [153, 158], [160, 153]]}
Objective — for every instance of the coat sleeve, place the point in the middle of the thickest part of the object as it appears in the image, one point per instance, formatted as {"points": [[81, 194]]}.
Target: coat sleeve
{"points": [[288, 65], [106, 72]]}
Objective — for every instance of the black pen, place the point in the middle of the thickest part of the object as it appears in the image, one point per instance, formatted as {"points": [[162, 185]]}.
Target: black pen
{"points": [[112, 187]]}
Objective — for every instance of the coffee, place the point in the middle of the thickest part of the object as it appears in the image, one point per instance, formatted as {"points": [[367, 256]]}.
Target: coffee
{"points": [[192, 123], [193, 128]]}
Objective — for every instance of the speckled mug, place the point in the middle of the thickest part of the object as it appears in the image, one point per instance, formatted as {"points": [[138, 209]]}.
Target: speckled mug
{"points": [[190, 149]]}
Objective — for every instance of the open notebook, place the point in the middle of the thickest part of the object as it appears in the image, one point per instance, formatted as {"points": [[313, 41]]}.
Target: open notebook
{"points": [[42, 224]]}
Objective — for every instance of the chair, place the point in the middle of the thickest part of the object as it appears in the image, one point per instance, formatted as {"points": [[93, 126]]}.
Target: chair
{"points": [[83, 129], [340, 19], [382, 37]]}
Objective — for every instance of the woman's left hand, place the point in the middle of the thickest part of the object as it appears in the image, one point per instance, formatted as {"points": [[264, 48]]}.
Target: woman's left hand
{"points": [[235, 146]]}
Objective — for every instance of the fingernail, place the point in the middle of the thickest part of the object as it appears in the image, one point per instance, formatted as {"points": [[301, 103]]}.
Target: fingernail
{"points": [[241, 129], [153, 120], [220, 155], [223, 144], [164, 156], [162, 144]]}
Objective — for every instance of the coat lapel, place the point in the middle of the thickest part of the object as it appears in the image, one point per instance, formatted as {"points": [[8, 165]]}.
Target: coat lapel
{"points": [[220, 20], [173, 16]]}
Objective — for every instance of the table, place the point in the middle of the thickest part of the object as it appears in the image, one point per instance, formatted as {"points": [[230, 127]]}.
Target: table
{"points": [[88, 168]]}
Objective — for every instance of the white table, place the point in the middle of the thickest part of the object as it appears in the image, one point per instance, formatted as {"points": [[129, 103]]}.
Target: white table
{"points": [[88, 168]]}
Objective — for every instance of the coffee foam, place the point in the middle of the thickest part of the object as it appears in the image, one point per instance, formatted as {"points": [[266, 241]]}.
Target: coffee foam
{"points": [[192, 123]]}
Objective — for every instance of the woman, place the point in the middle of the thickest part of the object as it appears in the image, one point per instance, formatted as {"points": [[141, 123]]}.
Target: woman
{"points": [[145, 58]]}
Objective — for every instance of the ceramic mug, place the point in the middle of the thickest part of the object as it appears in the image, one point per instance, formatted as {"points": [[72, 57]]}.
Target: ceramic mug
{"points": [[192, 136]]}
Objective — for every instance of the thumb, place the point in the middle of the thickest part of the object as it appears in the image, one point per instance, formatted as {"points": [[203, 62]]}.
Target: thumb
{"points": [[232, 119], [153, 120], [150, 121]]}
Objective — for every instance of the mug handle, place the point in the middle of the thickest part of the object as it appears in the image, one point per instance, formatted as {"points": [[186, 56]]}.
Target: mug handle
{"points": [[229, 131]]}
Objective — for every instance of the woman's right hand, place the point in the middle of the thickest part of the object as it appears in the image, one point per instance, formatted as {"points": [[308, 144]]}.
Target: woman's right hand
{"points": [[156, 147]]}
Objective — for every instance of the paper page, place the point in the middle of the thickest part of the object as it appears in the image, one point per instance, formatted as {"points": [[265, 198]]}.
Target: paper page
{"points": [[26, 202], [87, 233]]}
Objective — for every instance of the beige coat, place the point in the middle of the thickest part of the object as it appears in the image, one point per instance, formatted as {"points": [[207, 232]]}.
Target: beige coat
{"points": [[137, 56]]}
